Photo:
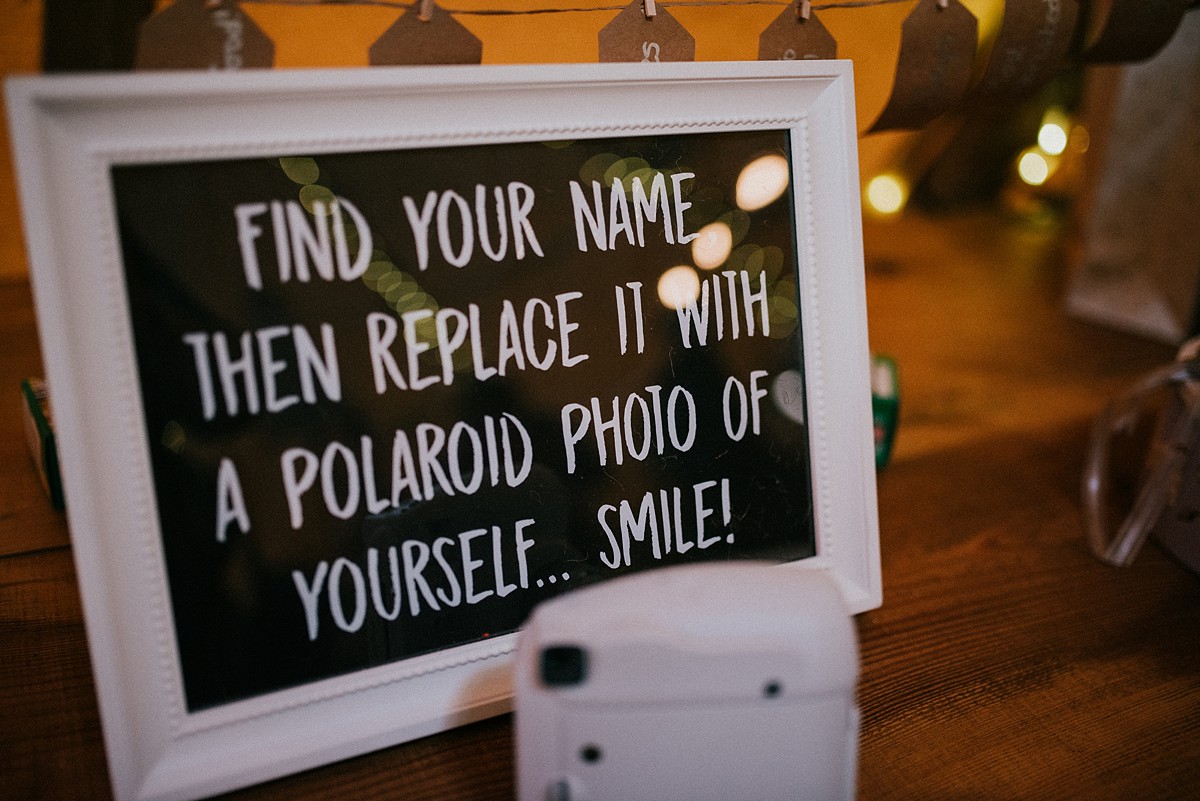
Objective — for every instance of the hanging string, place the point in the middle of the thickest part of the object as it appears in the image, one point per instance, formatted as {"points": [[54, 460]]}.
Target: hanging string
{"points": [[502, 12]]}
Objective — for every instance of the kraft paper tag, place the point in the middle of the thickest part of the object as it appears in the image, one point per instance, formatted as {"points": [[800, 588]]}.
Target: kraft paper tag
{"points": [[632, 36], [791, 37], [1131, 30], [937, 54], [1031, 46], [202, 34], [439, 40]]}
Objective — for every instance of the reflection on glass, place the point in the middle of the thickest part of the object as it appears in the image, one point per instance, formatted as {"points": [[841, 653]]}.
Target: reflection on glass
{"points": [[784, 314], [302, 170], [313, 194], [762, 182], [622, 168], [414, 402], [739, 224], [712, 245], [678, 287], [595, 168], [787, 393]]}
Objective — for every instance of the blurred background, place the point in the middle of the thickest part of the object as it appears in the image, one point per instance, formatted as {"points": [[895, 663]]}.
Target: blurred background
{"points": [[1100, 145], [1029, 254]]}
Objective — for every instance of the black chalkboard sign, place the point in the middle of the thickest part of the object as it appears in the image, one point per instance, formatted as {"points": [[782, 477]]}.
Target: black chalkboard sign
{"points": [[394, 399], [352, 368]]}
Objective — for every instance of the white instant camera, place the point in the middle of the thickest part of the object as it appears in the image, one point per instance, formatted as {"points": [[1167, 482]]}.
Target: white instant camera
{"points": [[728, 681]]}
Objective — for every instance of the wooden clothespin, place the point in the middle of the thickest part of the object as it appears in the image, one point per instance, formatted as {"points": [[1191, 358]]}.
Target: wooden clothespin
{"points": [[803, 10], [649, 8], [425, 12]]}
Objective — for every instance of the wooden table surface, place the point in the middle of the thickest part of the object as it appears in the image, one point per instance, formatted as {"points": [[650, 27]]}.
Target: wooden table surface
{"points": [[1005, 662]]}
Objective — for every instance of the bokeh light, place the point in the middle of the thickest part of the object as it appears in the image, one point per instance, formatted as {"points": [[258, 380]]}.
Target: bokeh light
{"points": [[1033, 167], [1052, 136], [762, 182], [887, 194], [678, 287], [712, 245]]}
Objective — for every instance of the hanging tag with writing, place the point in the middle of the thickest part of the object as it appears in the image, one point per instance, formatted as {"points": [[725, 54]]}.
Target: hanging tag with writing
{"points": [[796, 34], [635, 36], [1131, 30], [426, 34], [937, 54], [1031, 46], [202, 34]]}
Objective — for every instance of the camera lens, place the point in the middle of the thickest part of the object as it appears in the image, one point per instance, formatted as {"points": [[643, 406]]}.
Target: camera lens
{"points": [[563, 665]]}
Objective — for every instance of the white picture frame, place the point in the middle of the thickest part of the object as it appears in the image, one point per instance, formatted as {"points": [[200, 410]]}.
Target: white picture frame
{"points": [[70, 132]]}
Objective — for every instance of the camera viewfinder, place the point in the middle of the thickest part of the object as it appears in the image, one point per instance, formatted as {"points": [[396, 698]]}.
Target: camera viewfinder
{"points": [[563, 665]]}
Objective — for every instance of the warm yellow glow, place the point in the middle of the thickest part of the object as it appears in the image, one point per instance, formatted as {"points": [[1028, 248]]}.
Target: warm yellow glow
{"points": [[762, 182], [712, 245], [1033, 167], [678, 287], [1080, 139], [887, 193], [1052, 136]]}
